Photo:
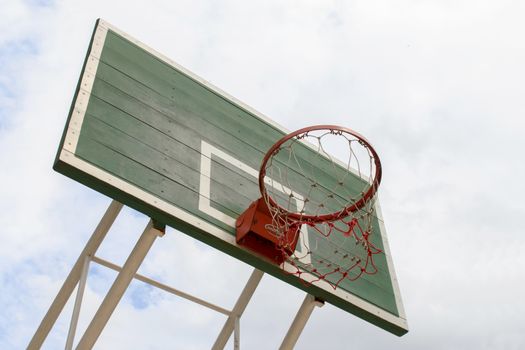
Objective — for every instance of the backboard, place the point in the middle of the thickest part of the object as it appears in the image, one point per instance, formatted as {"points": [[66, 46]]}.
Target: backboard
{"points": [[146, 132]]}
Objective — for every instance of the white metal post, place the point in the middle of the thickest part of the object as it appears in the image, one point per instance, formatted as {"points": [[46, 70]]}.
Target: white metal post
{"points": [[300, 321], [78, 303], [74, 276], [237, 334], [119, 286], [238, 309]]}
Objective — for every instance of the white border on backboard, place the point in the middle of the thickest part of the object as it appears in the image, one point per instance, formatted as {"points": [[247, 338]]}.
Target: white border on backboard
{"points": [[390, 262], [86, 84], [67, 155]]}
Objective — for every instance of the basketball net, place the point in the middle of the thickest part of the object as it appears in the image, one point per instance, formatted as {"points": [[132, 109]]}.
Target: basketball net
{"points": [[330, 211]]}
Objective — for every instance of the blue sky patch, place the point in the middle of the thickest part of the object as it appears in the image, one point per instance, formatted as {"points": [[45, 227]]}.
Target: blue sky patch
{"points": [[140, 295]]}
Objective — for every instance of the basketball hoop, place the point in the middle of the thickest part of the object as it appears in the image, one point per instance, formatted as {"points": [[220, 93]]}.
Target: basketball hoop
{"points": [[306, 192]]}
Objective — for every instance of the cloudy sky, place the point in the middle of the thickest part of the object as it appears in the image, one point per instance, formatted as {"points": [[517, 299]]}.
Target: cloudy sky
{"points": [[437, 86]]}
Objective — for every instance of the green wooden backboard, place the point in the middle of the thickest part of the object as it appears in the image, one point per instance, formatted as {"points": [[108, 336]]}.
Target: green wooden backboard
{"points": [[148, 133]]}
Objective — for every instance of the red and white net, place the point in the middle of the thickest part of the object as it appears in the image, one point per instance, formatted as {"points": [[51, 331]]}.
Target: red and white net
{"points": [[327, 205]]}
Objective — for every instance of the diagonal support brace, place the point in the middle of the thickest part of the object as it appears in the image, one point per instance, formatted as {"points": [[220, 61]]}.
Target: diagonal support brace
{"points": [[299, 321], [238, 309]]}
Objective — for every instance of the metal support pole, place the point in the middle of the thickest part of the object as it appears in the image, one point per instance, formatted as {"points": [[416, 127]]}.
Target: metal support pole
{"points": [[74, 276], [238, 309], [120, 285], [237, 334], [300, 321], [78, 303]]}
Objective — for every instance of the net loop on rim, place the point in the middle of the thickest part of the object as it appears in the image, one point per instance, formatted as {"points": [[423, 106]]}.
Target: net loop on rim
{"points": [[323, 204]]}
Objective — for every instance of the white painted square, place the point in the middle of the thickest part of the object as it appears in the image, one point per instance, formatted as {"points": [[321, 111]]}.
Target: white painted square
{"points": [[207, 152]]}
